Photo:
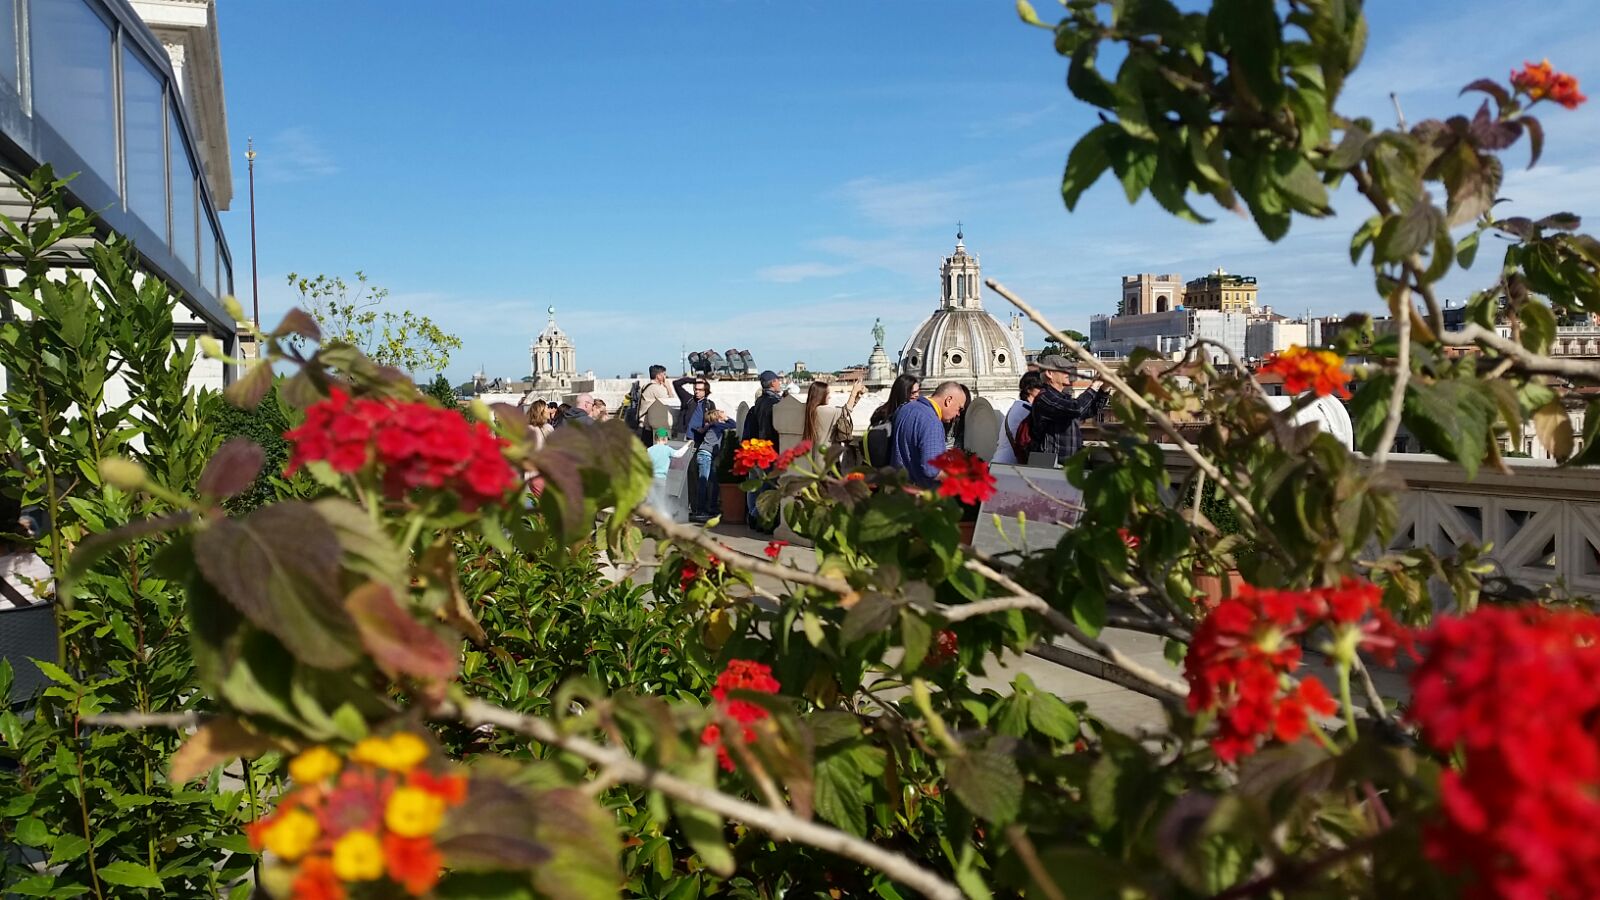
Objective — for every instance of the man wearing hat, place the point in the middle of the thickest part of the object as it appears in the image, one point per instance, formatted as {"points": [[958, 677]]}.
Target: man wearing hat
{"points": [[759, 424], [1056, 412]]}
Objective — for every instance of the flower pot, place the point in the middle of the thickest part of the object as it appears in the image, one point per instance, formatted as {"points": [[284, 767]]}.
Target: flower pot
{"points": [[966, 528], [1217, 587], [733, 511]]}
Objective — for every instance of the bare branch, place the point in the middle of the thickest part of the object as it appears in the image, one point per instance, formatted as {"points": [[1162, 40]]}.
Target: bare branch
{"points": [[1402, 377], [134, 721], [1026, 599], [780, 824], [742, 561], [1524, 359], [1245, 507]]}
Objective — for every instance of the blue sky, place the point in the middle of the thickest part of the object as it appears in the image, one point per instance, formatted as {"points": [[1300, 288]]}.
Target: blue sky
{"points": [[766, 175]]}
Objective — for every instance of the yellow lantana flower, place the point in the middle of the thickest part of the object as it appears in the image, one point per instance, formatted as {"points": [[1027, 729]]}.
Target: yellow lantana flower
{"points": [[413, 812], [291, 834], [358, 857], [399, 752], [314, 765]]}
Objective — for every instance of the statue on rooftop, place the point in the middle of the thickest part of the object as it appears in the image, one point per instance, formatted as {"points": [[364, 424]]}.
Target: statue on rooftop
{"points": [[877, 332]]}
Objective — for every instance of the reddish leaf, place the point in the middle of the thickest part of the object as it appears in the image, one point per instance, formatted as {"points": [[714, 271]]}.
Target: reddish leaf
{"points": [[217, 741], [298, 322], [399, 644], [280, 567], [247, 390], [1492, 88], [1535, 139], [232, 468], [496, 828]]}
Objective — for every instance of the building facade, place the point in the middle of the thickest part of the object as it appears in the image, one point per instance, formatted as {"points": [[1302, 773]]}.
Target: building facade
{"points": [[554, 358], [1221, 291], [1169, 334], [961, 341], [1264, 337], [1147, 293], [135, 108]]}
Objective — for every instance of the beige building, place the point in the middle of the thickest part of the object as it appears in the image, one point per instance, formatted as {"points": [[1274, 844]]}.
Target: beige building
{"points": [[1221, 291], [1146, 293]]}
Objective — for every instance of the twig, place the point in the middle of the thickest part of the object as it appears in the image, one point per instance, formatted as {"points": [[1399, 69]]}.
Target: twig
{"points": [[1030, 860], [1293, 873], [1525, 360], [743, 561], [1245, 507], [1402, 377], [1368, 687], [134, 720], [1026, 599], [780, 824]]}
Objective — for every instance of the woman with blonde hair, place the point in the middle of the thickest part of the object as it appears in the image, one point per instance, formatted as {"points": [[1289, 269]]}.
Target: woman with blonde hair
{"points": [[539, 426]]}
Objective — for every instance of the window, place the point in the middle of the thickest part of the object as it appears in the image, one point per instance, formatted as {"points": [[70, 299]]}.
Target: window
{"points": [[72, 84], [183, 196], [207, 272], [10, 63], [144, 141]]}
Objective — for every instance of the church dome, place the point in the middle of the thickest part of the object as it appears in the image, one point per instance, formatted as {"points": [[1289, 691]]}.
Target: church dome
{"points": [[961, 341]]}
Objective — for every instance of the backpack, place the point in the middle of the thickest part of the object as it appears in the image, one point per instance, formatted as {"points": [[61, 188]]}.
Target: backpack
{"points": [[1023, 439], [630, 411]]}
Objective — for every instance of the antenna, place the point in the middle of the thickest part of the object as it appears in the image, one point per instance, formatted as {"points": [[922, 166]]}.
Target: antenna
{"points": [[1398, 113]]}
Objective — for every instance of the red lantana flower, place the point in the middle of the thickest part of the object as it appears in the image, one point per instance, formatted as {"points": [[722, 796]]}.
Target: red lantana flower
{"points": [[1129, 538], [1245, 652], [1303, 369], [413, 863], [315, 880], [740, 675], [1541, 82], [789, 456], [753, 454], [413, 445], [966, 476], [1514, 693], [856, 476], [774, 548], [945, 647]]}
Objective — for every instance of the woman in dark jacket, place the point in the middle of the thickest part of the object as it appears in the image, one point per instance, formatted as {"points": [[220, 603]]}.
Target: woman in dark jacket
{"points": [[707, 497], [905, 389]]}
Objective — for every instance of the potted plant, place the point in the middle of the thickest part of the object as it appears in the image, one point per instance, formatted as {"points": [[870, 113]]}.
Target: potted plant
{"points": [[731, 497], [1220, 576]]}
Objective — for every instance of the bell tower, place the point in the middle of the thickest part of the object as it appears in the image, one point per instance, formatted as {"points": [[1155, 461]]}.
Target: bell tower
{"points": [[959, 277]]}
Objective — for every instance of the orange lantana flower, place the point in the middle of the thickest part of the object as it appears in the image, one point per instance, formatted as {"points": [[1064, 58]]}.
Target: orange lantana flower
{"points": [[1303, 369], [1540, 82], [413, 863]]}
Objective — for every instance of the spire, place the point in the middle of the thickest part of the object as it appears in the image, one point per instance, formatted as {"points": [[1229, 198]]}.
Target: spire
{"points": [[552, 311], [959, 235]]}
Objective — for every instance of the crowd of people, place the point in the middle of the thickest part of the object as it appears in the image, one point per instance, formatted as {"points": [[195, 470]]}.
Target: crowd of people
{"points": [[911, 429]]}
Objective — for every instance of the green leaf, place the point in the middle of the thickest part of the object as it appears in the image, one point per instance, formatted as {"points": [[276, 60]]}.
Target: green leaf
{"points": [[1538, 326], [841, 793], [279, 566], [1089, 611], [1135, 166], [916, 635], [127, 874], [1369, 408], [67, 847], [367, 549], [705, 832], [1467, 250], [1254, 37], [1085, 82], [1364, 236], [1352, 147], [1452, 419], [1103, 781], [1554, 428], [583, 837], [1299, 182], [1051, 716], [987, 783], [485, 886], [31, 832], [1590, 453], [498, 827], [830, 727], [1408, 233], [1088, 160], [872, 614]]}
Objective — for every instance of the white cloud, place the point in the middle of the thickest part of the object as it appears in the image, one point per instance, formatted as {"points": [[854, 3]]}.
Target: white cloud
{"points": [[797, 272], [295, 154]]}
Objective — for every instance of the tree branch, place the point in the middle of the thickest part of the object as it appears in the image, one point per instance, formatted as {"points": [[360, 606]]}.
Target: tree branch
{"points": [[1245, 507], [780, 824], [737, 560], [1401, 308], [1524, 359]]}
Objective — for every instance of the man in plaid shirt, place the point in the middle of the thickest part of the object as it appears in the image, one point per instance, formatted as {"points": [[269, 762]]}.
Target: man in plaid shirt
{"points": [[1056, 412]]}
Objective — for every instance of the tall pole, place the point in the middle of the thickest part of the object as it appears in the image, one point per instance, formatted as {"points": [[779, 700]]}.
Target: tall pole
{"points": [[255, 282]]}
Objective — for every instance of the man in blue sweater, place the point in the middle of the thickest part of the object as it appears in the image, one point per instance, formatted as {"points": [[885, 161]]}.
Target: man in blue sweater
{"points": [[916, 435]]}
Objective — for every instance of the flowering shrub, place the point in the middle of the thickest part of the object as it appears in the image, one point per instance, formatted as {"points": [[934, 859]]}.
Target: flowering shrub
{"points": [[414, 445], [740, 675], [966, 477], [753, 454], [886, 768], [359, 819], [1319, 371], [1514, 692], [1541, 82]]}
